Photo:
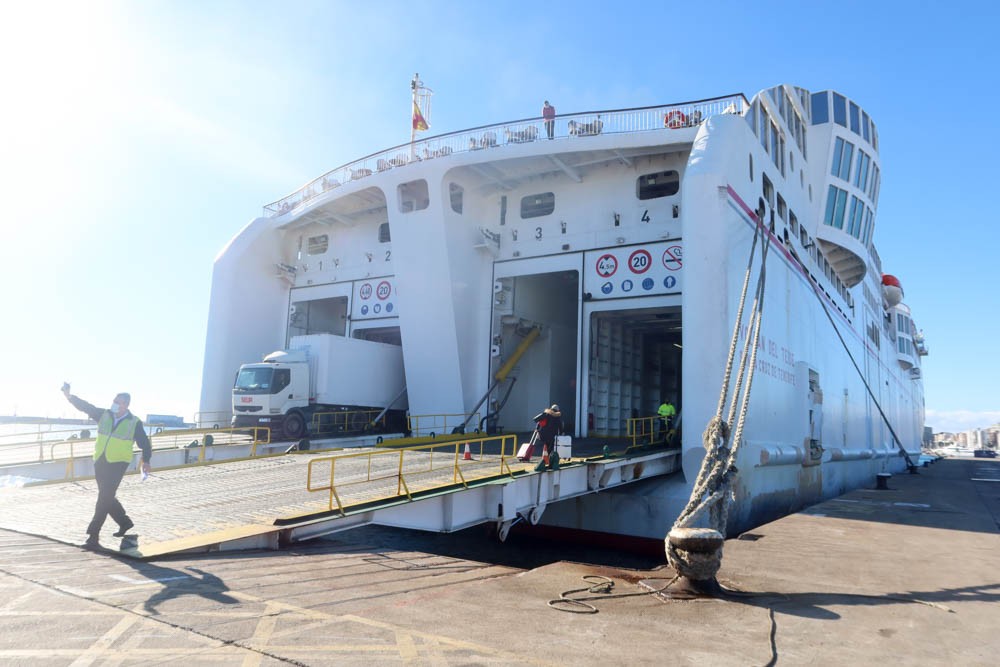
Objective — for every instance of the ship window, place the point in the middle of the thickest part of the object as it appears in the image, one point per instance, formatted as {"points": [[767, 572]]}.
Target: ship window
{"points": [[751, 167], [660, 184], [767, 189], [782, 209], [752, 118], [317, 245], [763, 127], [318, 316], [794, 222], [804, 237], [857, 216], [836, 201], [866, 232], [413, 196], [456, 193], [383, 233], [874, 137], [839, 110], [864, 125], [775, 146], [861, 177], [855, 119], [838, 151], [536, 206], [503, 209], [820, 108], [845, 162]]}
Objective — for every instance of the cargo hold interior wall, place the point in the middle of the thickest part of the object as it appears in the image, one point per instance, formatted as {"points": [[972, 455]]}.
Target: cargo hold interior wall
{"points": [[546, 374], [634, 363]]}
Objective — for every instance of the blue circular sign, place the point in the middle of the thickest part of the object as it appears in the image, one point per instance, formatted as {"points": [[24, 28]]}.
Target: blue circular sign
{"points": [[388, 307], [377, 308], [606, 288], [647, 284], [364, 310], [669, 282], [627, 285]]}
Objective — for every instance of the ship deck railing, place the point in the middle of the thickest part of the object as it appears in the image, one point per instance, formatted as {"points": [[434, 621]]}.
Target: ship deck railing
{"points": [[567, 127]]}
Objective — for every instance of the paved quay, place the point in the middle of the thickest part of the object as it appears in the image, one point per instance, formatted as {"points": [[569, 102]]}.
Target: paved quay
{"points": [[905, 576]]}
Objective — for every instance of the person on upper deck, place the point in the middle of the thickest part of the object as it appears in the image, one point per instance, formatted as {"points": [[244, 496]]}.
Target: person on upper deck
{"points": [[549, 116], [117, 429]]}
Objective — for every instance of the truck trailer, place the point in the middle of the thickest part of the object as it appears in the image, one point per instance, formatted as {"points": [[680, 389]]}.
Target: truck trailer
{"points": [[323, 384]]}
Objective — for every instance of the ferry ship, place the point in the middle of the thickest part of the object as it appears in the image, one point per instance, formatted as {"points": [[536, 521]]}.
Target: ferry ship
{"points": [[619, 241]]}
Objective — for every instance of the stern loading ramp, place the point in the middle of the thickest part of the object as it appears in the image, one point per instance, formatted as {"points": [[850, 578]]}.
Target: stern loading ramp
{"points": [[264, 503]]}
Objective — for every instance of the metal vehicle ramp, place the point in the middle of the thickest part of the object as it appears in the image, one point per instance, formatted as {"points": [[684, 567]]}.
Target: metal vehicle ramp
{"points": [[266, 502]]}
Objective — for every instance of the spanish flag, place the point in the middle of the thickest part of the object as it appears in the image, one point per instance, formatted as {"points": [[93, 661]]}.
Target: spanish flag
{"points": [[418, 119]]}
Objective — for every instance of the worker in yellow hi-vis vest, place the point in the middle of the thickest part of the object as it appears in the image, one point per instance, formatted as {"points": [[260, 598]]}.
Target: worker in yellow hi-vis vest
{"points": [[666, 412], [117, 429]]}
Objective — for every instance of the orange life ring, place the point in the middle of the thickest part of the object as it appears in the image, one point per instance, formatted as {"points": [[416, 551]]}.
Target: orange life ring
{"points": [[675, 119]]}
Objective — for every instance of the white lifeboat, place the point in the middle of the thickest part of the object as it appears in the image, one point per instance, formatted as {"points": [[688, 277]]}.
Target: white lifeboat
{"points": [[892, 291]]}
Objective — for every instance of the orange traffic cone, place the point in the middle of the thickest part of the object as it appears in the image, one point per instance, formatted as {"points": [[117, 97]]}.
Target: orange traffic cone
{"points": [[545, 456], [468, 455]]}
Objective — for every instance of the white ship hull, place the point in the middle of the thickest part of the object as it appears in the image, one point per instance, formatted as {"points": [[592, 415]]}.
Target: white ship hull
{"points": [[627, 246]]}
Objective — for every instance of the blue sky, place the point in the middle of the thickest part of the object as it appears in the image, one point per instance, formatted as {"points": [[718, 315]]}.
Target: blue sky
{"points": [[138, 138]]}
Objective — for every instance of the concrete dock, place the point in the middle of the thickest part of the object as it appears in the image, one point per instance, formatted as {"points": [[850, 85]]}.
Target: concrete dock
{"points": [[910, 575]]}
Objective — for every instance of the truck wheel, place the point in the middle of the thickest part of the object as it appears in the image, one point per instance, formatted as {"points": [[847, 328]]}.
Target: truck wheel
{"points": [[295, 425]]}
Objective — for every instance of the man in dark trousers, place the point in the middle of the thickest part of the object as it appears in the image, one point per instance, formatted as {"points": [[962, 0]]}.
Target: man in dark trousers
{"points": [[549, 424], [549, 116], [117, 429]]}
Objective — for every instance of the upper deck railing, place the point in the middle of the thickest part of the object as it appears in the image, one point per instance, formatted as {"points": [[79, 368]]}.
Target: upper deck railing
{"points": [[525, 130]]}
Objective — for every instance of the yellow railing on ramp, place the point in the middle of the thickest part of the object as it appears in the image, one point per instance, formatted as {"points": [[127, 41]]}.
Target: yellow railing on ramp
{"points": [[393, 473]]}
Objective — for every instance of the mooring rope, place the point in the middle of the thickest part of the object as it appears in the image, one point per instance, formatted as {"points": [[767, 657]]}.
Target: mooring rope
{"points": [[712, 491]]}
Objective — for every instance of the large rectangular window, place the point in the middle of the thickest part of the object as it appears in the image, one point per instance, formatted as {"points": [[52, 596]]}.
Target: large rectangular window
{"points": [[317, 245], [861, 175], [660, 184], [864, 126], [839, 110], [536, 206], [856, 217], [836, 202], [318, 316], [855, 119], [413, 196], [866, 232], [820, 108], [843, 153]]}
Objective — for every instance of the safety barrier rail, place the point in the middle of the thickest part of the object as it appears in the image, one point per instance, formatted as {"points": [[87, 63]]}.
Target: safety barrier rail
{"points": [[344, 421], [174, 439], [526, 130], [403, 472], [648, 431], [440, 424]]}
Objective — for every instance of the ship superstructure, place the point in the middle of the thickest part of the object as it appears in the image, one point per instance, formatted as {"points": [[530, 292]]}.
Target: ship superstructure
{"points": [[622, 241]]}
